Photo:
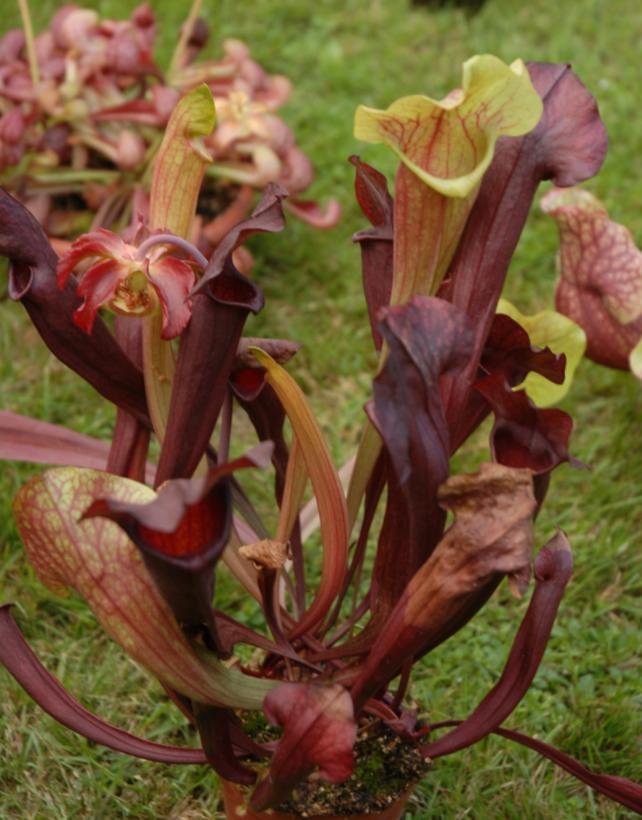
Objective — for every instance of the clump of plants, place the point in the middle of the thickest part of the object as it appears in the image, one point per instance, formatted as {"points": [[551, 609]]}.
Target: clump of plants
{"points": [[83, 109], [355, 586]]}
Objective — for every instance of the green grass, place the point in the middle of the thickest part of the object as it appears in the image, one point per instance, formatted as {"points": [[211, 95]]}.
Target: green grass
{"points": [[585, 697]]}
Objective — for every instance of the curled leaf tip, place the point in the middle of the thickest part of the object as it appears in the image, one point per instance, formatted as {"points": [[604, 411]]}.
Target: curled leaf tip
{"points": [[265, 554], [202, 111]]}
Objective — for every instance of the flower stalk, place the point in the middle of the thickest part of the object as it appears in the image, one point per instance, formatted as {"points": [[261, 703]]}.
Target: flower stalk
{"points": [[178, 57], [27, 27]]}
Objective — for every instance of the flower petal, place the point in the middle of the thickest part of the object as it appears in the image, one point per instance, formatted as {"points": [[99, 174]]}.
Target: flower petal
{"points": [[101, 243], [172, 280], [97, 286]]}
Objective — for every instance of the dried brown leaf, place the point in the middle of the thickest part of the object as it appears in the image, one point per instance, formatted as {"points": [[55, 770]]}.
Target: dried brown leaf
{"points": [[491, 537], [266, 554]]}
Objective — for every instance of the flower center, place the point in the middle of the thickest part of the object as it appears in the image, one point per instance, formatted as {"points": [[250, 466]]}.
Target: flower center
{"points": [[133, 295], [136, 282]]}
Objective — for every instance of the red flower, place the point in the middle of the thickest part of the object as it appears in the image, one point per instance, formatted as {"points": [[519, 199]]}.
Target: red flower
{"points": [[131, 280]]}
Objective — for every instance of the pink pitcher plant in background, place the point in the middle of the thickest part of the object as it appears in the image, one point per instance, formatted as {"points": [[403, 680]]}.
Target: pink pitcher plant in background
{"points": [[142, 542], [600, 284], [83, 108]]}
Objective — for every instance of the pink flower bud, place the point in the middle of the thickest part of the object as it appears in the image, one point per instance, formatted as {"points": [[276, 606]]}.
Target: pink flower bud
{"points": [[130, 149]]}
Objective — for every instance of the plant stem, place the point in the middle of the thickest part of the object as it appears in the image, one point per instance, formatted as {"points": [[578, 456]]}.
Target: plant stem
{"points": [[159, 364], [27, 29], [367, 454], [158, 370], [186, 33], [75, 176]]}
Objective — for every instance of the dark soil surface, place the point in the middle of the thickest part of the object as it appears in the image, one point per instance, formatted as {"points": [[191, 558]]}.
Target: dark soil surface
{"points": [[385, 765]]}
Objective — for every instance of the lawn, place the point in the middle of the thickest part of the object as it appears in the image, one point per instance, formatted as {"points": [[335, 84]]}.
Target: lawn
{"points": [[586, 696]]}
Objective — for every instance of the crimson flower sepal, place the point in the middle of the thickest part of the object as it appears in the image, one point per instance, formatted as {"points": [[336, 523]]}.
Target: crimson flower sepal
{"points": [[130, 282]]}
